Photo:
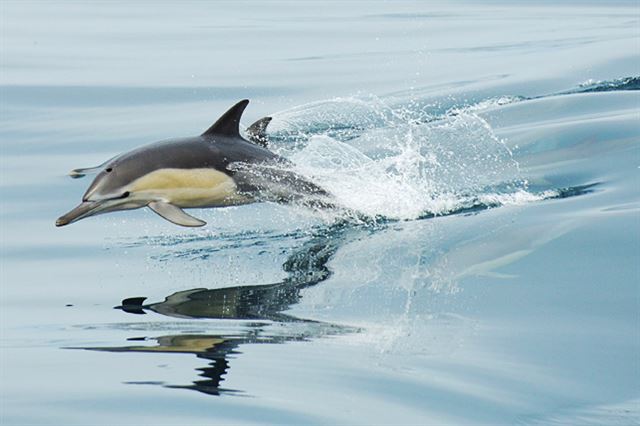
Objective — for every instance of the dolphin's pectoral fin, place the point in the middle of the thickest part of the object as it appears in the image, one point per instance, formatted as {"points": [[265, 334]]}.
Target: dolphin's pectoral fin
{"points": [[257, 132], [175, 214]]}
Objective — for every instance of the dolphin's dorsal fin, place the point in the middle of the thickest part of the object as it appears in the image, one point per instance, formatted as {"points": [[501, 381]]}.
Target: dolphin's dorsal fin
{"points": [[133, 305], [257, 132], [229, 123]]}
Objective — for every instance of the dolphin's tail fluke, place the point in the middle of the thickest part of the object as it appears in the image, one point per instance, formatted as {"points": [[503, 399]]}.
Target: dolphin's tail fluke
{"points": [[83, 171]]}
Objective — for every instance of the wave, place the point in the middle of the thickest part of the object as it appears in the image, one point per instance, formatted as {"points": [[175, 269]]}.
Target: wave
{"points": [[388, 161], [627, 83], [395, 163], [413, 160]]}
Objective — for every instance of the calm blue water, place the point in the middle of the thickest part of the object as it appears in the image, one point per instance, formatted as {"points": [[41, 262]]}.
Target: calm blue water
{"points": [[493, 148]]}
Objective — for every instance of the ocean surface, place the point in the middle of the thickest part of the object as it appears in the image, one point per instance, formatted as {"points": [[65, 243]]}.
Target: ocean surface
{"points": [[491, 274]]}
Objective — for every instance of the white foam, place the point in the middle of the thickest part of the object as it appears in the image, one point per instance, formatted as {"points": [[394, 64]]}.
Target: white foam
{"points": [[407, 169]]}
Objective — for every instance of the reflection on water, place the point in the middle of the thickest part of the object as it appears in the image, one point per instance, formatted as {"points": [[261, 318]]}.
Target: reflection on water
{"points": [[263, 308], [264, 305], [215, 349]]}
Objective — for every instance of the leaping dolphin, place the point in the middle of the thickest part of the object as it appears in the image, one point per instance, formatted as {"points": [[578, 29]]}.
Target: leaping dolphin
{"points": [[218, 168]]}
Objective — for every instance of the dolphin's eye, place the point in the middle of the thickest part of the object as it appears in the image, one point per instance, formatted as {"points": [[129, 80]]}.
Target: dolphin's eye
{"points": [[125, 195], [108, 170]]}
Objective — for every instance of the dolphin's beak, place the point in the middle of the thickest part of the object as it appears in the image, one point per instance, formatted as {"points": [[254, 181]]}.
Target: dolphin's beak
{"points": [[83, 210]]}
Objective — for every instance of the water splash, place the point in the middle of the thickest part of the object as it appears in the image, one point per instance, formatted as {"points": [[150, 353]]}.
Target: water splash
{"points": [[401, 162]]}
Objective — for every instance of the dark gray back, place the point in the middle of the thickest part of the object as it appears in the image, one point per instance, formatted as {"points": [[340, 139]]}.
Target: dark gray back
{"points": [[215, 152]]}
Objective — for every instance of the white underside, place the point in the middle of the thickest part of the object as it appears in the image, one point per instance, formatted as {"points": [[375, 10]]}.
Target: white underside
{"points": [[188, 188]]}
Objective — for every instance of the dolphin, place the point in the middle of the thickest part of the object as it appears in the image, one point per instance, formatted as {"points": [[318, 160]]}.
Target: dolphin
{"points": [[215, 169]]}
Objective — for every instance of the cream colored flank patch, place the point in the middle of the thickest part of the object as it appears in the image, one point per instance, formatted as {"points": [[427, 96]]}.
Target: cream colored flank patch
{"points": [[186, 344], [188, 187]]}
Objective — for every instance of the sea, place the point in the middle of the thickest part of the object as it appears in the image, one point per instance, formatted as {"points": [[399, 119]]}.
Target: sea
{"points": [[484, 271]]}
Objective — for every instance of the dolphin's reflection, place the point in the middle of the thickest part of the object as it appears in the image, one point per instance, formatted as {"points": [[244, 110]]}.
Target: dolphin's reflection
{"points": [[216, 349], [263, 305]]}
